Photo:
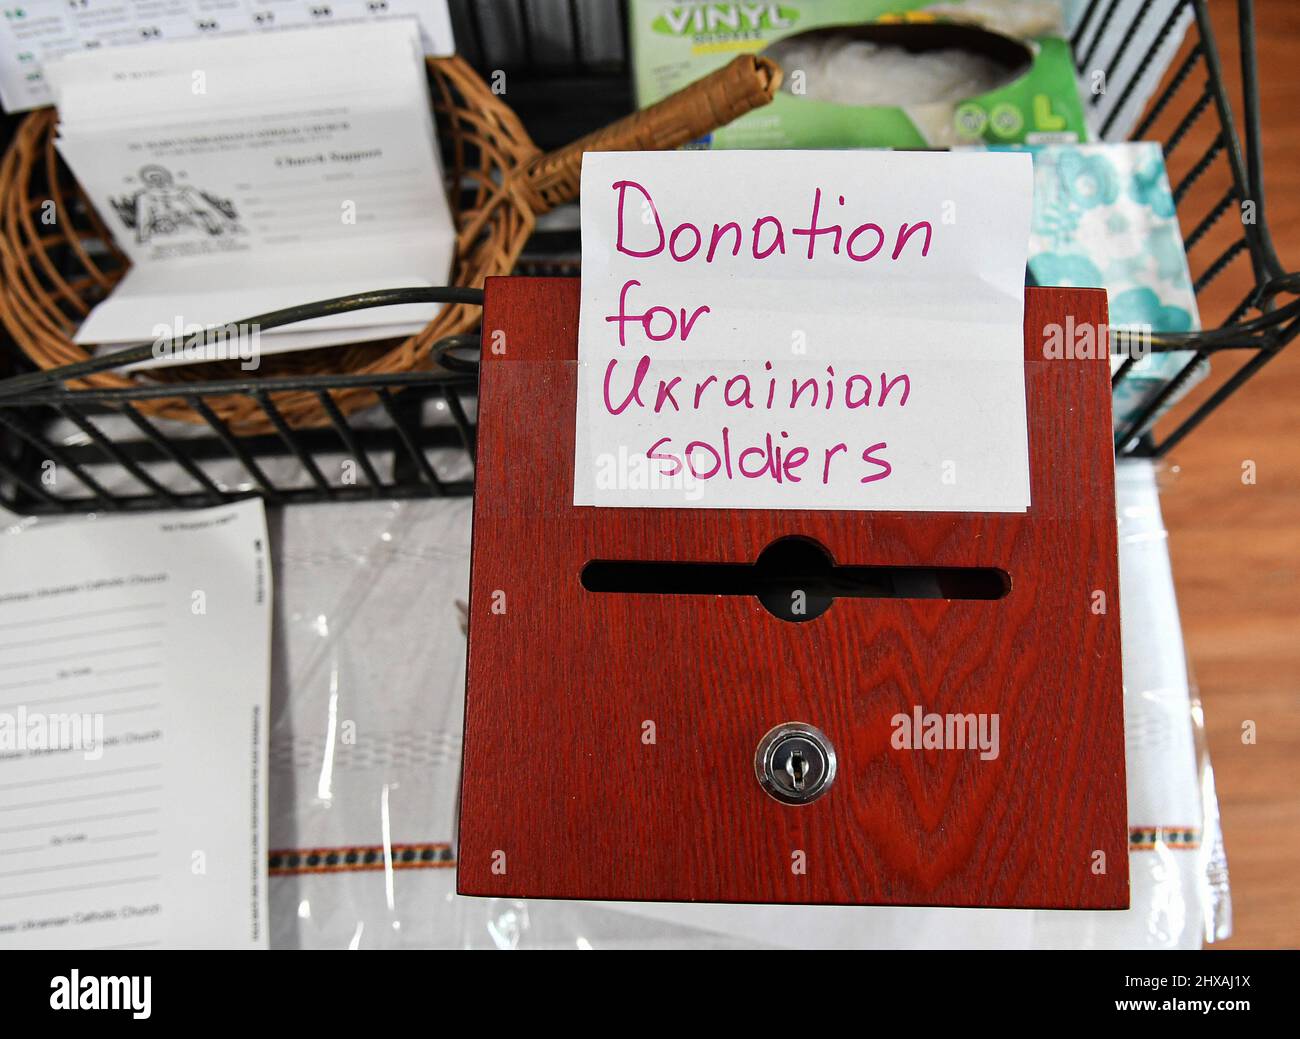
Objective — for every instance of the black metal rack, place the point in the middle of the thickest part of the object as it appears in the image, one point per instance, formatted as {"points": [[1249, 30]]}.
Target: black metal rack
{"points": [[406, 440], [570, 74]]}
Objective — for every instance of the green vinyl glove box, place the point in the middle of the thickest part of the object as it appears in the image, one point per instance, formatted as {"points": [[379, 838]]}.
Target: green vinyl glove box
{"points": [[873, 73]]}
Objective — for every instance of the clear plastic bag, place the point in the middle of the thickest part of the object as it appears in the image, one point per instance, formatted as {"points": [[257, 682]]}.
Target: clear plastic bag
{"points": [[367, 702]]}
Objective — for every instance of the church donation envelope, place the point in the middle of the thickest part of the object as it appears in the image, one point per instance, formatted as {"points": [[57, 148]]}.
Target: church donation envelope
{"points": [[241, 175], [134, 688]]}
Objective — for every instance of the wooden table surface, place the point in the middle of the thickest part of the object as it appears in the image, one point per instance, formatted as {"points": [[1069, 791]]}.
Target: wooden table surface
{"points": [[1236, 545]]}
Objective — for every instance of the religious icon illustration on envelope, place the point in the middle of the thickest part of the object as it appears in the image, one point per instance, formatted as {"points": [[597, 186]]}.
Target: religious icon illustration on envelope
{"points": [[162, 207]]}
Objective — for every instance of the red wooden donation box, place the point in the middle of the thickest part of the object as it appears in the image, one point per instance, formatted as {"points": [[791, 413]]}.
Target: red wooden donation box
{"points": [[933, 736]]}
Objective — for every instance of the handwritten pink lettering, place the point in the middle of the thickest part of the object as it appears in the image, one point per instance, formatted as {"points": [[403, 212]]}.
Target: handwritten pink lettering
{"points": [[657, 383]]}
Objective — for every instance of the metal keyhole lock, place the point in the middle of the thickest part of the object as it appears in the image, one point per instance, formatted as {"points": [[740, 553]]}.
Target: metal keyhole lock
{"points": [[795, 763]]}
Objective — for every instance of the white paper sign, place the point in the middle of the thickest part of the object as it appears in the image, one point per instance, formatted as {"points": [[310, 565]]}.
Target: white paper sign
{"points": [[803, 330]]}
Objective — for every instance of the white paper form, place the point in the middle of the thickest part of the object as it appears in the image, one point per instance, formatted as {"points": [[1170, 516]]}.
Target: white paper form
{"points": [[244, 176], [36, 32], [803, 330], [134, 683]]}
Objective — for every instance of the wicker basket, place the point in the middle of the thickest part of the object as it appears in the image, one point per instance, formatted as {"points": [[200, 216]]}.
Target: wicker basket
{"points": [[54, 272]]}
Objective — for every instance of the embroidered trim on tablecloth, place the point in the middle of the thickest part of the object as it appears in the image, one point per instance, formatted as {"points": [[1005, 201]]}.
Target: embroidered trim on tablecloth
{"points": [[1177, 838], [361, 857], [438, 855]]}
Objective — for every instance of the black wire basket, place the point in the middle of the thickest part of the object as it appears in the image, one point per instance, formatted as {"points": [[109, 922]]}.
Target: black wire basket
{"points": [[65, 450]]}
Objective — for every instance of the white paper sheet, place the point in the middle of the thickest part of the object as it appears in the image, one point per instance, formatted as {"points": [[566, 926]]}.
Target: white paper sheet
{"points": [[877, 363], [37, 32], [245, 176], [134, 683]]}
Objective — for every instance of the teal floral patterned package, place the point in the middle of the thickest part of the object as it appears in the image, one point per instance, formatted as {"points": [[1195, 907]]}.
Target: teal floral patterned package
{"points": [[1104, 218]]}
